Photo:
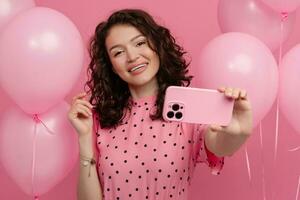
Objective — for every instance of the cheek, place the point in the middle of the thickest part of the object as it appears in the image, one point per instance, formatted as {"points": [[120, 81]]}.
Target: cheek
{"points": [[117, 65]]}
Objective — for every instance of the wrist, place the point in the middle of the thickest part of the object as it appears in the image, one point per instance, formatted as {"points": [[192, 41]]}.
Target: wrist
{"points": [[86, 147]]}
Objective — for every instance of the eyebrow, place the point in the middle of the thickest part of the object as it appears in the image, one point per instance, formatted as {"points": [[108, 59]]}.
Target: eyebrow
{"points": [[132, 39]]}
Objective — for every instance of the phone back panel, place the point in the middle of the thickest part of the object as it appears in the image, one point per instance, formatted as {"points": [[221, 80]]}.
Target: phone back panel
{"points": [[197, 105]]}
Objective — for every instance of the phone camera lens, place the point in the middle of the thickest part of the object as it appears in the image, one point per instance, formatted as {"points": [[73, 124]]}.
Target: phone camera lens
{"points": [[175, 107], [178, 115], [170, 114]]}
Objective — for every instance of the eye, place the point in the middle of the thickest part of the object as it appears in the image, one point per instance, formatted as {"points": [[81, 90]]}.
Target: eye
{"points": [[117, 53], [141, 43]]}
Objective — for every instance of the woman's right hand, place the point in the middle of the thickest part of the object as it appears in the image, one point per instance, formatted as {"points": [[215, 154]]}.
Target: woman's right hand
{"points": [[80, 115]]}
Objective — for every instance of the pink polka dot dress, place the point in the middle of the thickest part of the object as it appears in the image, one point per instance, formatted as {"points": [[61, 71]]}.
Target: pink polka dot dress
{"points": [[145, 159]]}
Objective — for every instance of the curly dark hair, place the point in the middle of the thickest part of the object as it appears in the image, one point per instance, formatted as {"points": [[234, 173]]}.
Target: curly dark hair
{"points": [[109, 93]]}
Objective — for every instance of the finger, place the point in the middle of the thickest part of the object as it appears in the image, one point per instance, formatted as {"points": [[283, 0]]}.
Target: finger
{"points": [[85, 108], [84, 102], [82, 111], [215, 127], [221, 89], [80, 95], [228, 92], [243, 94], [73, 114], [236, 93]]}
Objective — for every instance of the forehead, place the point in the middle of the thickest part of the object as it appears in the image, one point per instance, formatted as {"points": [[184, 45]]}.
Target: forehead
{"points": [[121, 34]]}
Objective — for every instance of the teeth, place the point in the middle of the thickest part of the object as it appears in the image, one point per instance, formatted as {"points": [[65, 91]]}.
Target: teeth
{"points": [[137, 67]]}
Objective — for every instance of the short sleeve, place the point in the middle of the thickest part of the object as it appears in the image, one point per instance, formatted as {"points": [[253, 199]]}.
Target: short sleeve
{"points": [[201, 153]]}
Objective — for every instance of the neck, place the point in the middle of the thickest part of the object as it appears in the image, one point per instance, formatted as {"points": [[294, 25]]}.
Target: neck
{"points": [[149, 89]]}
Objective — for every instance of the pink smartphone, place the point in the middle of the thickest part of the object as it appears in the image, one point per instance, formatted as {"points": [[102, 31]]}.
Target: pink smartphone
{"points": [[197, 105]]}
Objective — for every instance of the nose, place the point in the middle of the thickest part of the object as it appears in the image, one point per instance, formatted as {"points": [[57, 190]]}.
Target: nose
{"points": [[132, 55]]}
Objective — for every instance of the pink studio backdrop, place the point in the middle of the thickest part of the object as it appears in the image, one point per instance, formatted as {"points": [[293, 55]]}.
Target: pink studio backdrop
{"points": [[193, 23]]}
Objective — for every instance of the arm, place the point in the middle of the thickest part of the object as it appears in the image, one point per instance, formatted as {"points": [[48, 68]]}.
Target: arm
{"points": [[225, 140], [88, 187], [81, 118]]}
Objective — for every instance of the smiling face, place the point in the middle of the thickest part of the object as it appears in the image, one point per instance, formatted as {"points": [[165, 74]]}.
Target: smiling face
{"points": [[131, 56]]}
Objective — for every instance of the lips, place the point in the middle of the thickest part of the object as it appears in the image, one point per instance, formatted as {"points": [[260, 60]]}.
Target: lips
{"points": [[136, 67]]}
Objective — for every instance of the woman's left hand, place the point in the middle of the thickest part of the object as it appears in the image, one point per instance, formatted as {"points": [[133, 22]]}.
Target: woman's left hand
{"points": [[241, 122]]}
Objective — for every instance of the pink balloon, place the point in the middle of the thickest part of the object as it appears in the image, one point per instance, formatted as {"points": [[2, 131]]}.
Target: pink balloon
{"points": [[37, 155], [254, 18], [41, 57], [289, 84], [283, 6], [241, 61], [10, 8]]}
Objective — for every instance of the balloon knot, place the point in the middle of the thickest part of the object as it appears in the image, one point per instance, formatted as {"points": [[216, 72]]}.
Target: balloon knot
{"points": [[284, 16], [36, 118]]}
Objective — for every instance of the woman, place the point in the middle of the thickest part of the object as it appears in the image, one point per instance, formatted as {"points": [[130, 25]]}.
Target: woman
{"points": [[141, 156]]}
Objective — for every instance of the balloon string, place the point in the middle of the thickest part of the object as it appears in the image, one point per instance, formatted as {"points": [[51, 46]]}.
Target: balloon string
{"points": [[262, 161], [33, 159], [284, 16], [248, 164], [38, 120], [297, 194]]}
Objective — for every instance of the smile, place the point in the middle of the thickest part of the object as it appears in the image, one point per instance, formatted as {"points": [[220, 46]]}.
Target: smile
{"points": [[137, 67]]}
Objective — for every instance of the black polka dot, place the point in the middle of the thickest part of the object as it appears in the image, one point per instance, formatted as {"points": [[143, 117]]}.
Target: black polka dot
{"points": [[118, 189], [151, 127], [125, 151]]}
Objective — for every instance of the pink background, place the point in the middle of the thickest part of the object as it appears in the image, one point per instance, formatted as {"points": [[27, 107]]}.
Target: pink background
{"points": [[193, 23]]}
